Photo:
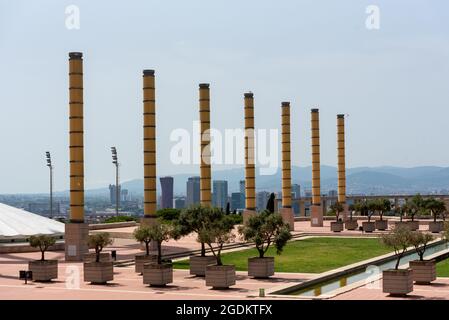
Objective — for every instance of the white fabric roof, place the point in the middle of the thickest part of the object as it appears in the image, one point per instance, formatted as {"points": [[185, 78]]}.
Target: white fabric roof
{"points": [[16, 222]]}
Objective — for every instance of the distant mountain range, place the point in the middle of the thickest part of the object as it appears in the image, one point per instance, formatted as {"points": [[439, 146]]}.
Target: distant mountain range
{"points": [[367, 180]]}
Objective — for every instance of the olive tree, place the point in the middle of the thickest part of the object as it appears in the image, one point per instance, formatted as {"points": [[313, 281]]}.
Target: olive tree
{"points": [[43, 242], [264, 230], [99, 241], [399, 239]]}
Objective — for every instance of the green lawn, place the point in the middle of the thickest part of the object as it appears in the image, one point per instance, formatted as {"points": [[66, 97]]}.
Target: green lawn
{"points": [[443, 268], [314, 255]]}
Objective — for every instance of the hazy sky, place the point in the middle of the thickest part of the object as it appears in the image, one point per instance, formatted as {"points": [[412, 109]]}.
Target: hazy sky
{"points": [[392, 82]]}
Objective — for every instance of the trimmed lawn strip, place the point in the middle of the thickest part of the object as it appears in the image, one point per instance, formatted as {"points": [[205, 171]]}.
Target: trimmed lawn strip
{"points": [[314, 255]]}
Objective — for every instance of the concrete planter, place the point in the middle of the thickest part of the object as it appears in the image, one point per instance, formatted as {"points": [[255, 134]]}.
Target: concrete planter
{"points": [[157, 275], [98, 272], [351, 225], [220, 277], [261, 267], [397, 282], [90, 257], [336, 226], [140, 260], [424, 272], [46, 270], [413, 225], [198, 264], [403, 224], [436, 227], [381, 224], [368, 226]]}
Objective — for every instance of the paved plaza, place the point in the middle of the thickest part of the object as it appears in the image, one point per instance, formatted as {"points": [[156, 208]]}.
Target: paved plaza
{"points": [[128, 285]]}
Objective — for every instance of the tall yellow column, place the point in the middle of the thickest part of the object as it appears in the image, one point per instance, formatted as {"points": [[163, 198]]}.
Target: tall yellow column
{"points": [[76, 231], [341, 163], [286, 210], [149, 146], [205, 167], [250, 159], [316, 216]]}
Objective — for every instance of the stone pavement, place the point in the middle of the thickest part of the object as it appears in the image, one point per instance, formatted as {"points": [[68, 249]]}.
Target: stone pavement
{"points": [[127, 285]]}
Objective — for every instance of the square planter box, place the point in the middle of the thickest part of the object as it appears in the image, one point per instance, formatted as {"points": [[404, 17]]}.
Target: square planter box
{"points": [[198, 264], [220, 277], [397, 282], [157, 275], [436, 227], [368, 226], [140, 260], [413, 225], [98, 272], [424, 272], [261, 267], [401, 224], [46, 270], [381, 224], [351, 225], [90, 257], [336, 226]]}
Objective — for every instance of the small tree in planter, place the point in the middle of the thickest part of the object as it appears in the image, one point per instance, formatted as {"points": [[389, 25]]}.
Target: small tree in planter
{"points": [[159, 273], [194, 220], [99, 272], [398, 281], [218, 231], [424, 272], [351, 224], [436, 207], [264, 230], [382, 206], [368, 209], [43, 270], [143, 235], [336, 208]]}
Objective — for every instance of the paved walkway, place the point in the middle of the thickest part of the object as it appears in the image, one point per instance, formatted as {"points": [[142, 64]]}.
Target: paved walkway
{"points": [[127, 285], [438, 290]]}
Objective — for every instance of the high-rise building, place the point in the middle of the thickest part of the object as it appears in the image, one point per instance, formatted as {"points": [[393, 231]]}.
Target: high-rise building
{"points": [[296, 191], [124, 195], [262, 199], [167, 192], [237, 201], [112, 193], [180, 203], [220, 193], [242, 186], [332, 193], [193, 191]]}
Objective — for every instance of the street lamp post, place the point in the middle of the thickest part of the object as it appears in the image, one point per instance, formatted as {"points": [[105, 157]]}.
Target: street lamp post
{"points": [[50, 166], [117, 190]]}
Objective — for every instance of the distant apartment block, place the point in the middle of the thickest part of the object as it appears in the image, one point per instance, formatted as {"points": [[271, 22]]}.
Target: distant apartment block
{"points": [[167, 192], [193, 191]]}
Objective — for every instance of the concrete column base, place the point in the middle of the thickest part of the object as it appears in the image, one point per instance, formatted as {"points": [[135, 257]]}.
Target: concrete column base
{"points": [[76, 237], [248, 214], [288, 217], [316, 216], [345, 214]]}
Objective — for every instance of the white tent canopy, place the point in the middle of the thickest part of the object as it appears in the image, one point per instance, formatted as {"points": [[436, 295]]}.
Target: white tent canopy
{"points": [[17, 223]]}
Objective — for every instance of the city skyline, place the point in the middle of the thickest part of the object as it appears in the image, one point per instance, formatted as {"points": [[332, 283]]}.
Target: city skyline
{"points": [[376, 83]]}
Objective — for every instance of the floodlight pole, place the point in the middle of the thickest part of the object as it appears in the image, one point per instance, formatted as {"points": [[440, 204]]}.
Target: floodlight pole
{"points": [[117, 190], [50, 166]]}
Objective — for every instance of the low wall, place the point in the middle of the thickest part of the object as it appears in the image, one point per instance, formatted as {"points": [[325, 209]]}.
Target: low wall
{"points": [[25, 247], [100, 226]]}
